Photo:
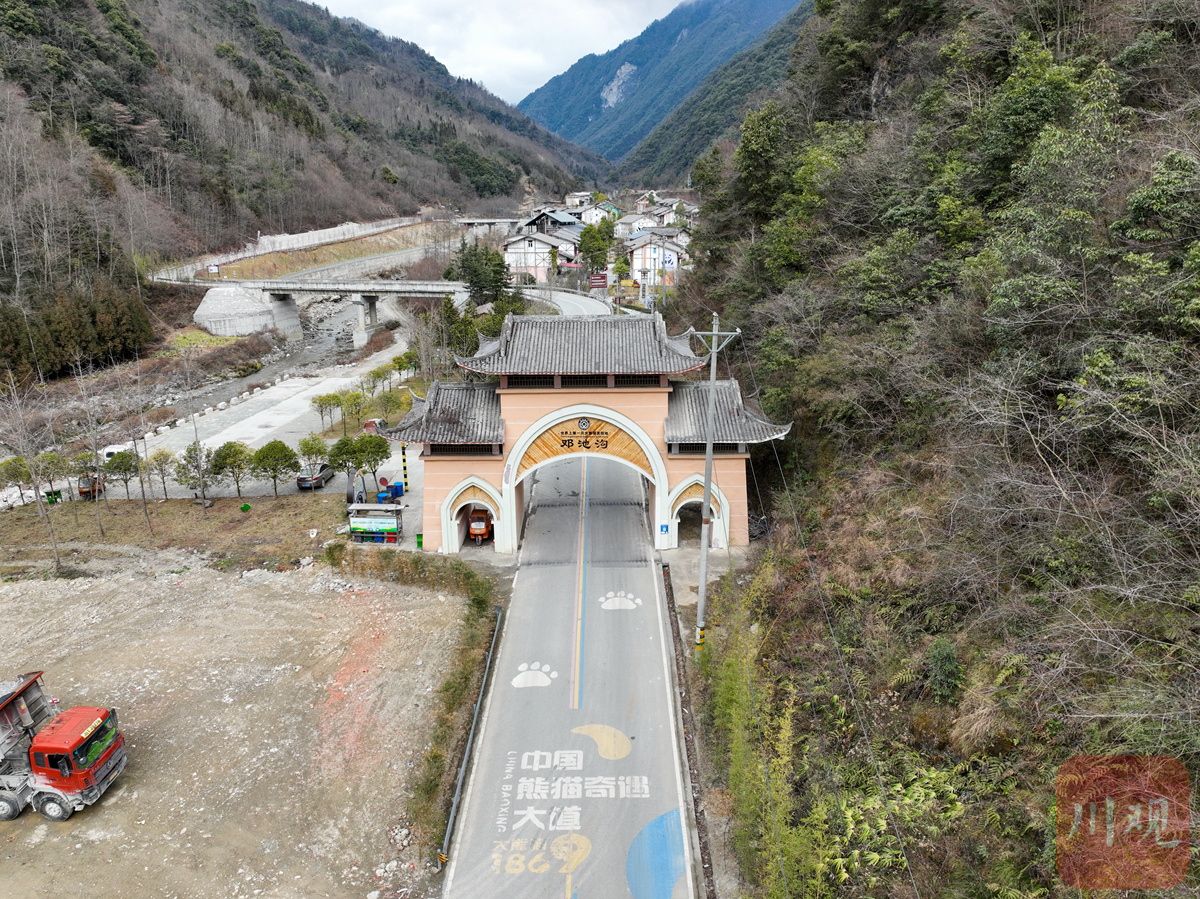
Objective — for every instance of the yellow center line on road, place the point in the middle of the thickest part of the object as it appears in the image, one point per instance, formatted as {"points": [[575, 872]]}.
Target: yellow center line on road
{"points": [[580, 589]]}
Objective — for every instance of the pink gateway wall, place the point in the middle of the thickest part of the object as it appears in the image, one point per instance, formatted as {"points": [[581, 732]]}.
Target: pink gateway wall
{"points": [[521, 408]]}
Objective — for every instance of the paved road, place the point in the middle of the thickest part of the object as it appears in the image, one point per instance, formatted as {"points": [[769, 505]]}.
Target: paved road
{"points": [[570, 303], [283, 411], [575, 789]]}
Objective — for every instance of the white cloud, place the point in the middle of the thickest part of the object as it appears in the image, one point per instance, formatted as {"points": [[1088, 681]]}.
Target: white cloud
{"points": [[514, 47]]}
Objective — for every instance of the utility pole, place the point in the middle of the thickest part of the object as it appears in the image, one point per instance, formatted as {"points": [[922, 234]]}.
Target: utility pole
{"points": [[719, 340]]}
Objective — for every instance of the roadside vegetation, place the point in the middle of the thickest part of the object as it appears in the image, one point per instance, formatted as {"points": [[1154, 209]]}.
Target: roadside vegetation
{"points": [[962, 245], [271, 532]]}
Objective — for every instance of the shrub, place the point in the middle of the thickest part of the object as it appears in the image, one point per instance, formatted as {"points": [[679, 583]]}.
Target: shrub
{"points": [[945, 674]]}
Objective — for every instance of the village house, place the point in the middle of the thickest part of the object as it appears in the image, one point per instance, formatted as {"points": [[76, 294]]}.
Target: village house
{"points": [[680, 236], [645, 202], [548, 220], [535, 256], [595, 213], [658, 258], [628, 225]]}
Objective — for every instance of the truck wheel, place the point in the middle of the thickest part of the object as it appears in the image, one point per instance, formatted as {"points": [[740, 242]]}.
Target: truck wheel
{"points": [[55, 808], [10, 805]]}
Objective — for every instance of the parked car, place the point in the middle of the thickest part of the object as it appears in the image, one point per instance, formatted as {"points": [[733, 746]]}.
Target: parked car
{"points": [[91, 486], [319, 478]]}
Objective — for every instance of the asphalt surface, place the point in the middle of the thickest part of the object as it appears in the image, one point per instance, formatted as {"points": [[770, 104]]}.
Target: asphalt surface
{"points": [[569, 303], [575, 789]]}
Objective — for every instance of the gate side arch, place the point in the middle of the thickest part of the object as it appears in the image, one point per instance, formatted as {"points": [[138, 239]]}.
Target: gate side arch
{"points": [[474, 490], [691, 489], [514, 472]]}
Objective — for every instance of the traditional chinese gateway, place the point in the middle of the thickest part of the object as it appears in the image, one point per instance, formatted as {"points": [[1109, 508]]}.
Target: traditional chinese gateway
{"points": [[562, 386]]}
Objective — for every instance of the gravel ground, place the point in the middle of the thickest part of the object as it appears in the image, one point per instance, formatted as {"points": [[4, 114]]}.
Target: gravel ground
{"points": [[274, 723]]}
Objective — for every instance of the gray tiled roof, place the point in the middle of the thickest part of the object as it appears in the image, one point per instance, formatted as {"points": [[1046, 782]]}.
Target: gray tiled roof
{"points": [[584, 344], [453, 413], [734, 422]]}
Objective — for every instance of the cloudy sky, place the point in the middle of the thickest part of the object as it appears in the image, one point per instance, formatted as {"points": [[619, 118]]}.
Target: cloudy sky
{"points": [[511, 47]]}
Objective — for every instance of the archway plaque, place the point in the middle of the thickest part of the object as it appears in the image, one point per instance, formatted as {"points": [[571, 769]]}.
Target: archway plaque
{"points": [[474, 494], [585, 435], [691, 493]]}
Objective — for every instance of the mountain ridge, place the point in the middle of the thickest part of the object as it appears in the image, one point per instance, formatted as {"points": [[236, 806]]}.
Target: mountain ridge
{"points": [[155, 129], [714, 110], [609, 102]]}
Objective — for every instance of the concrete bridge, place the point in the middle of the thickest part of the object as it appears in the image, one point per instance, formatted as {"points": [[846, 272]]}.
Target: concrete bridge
{"points": [[278, 299]]}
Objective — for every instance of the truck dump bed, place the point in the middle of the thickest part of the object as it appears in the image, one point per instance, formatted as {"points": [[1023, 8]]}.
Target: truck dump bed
{"points": [[27, 689]]}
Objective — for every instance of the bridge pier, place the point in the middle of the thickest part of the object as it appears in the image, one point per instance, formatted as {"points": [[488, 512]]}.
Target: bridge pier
{"points": [[368, 318], [286, 315]]}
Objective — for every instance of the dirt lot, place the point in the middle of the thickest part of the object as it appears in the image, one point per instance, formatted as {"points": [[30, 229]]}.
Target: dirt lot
{"points": [[274, 722]]}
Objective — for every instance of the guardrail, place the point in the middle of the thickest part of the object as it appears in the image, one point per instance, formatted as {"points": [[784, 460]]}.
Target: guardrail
{"points": [[444, 853]]}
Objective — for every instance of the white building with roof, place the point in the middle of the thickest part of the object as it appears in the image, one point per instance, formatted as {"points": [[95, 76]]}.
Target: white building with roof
{"points": [[537, 255]]}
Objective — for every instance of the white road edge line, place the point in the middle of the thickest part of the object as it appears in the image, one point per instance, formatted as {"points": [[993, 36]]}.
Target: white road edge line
{"points": [[483, 720], [661, 605]]}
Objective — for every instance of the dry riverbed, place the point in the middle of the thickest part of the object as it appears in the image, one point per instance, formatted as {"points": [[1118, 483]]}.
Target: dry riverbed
{"points": [[275, 721]]}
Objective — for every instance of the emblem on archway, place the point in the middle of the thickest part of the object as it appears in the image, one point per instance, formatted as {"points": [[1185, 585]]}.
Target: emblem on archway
{"points": [[585, 435]]}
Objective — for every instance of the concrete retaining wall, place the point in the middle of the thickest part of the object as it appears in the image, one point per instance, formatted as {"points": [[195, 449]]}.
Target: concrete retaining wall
{"points": [[275, 242]]}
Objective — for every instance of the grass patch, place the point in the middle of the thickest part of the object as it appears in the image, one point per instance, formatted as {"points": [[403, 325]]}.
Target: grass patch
{"points": [[194, 339], [274, 531], [433, 789]]}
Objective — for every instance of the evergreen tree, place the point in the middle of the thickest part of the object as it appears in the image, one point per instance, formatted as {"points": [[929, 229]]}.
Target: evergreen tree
{"points": [[274, 460], [233, 460]]}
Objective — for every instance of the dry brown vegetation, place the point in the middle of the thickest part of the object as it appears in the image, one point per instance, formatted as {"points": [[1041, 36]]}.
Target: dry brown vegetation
{"points": [[273, 531], [276, 265]]}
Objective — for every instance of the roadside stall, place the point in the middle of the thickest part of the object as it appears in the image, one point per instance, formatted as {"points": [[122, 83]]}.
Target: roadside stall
{"points": [[375, 522]]}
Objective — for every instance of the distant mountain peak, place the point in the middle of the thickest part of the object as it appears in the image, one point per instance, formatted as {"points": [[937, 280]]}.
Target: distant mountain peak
{"points": [[609, 102]]}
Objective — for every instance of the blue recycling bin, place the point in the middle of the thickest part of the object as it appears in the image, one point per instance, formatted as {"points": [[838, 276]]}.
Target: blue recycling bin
{"points": [[396, 490], [383, 497]]}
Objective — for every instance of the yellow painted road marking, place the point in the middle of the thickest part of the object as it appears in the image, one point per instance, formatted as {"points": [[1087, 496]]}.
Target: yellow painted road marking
{"points": [[610, 742], [580, 586]]}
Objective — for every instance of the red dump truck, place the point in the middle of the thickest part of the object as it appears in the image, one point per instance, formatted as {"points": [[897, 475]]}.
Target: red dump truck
{"points": [[57, 761]]}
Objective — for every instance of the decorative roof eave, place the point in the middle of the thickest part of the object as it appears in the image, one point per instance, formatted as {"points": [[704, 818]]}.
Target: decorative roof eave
{"points": [[453, 413], [561, 345], [735, 420]]}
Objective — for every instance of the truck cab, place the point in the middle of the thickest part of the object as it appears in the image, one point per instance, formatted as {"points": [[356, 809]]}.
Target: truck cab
{"points": [[58, 762], [91, 485]]}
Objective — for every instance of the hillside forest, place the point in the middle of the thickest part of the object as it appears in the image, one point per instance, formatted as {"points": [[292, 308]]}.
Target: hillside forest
{"points": [[133, 133], [962, 243], [713, 112]]}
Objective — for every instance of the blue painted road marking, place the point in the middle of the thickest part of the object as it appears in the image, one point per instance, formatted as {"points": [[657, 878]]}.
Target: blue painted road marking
{"points": [[655, 860]]}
